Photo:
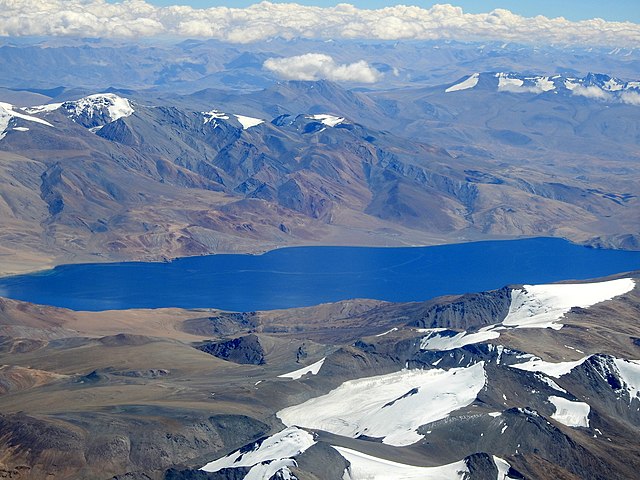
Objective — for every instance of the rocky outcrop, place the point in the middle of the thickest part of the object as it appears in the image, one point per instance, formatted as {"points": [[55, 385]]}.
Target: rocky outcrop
{"points": [[466, 312], [244, 350], [223, 323], [322, 461]]}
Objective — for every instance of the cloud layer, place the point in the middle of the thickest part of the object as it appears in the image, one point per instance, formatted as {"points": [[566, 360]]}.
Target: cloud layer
{"points": [[136, 18], [316, 66], [630, 97]]}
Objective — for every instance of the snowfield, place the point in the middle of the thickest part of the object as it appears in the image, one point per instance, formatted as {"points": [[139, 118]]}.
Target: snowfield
{"points": [[438, 341], [391, 406], [313, 369], [571, 414], [272, 455], [248, 122], [541, 306], [470, 82], [367, 467]]}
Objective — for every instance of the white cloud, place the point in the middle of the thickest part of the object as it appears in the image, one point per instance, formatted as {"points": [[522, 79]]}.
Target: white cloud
{"points": [[632, 98], [316, 66], [136, 18], [591, 91]]}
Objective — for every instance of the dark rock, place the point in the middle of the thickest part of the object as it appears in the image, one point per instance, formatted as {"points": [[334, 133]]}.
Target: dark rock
{"points": [[481, 467], [473, 310], [301, 353], [189, 474], [244, 350], [225, 323], [322, 461], [132, 476]]}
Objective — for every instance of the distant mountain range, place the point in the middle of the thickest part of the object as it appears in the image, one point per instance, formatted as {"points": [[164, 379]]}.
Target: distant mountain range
{"points": [[600, 85], [85, 65]]}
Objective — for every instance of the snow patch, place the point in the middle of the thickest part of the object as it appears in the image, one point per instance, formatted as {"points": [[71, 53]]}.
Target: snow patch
{"points": [[508, 83], [7, 113], [555, 370], [429, 330], [540, 306], [43, 108], [313, 369], [612, 85], [390, 406], [367, 467], [267, 457], [394, 329], [512, 83], [437, 341], [503, 468], [550, 382], [571, 414], [213, 114], [470, 82], [544, 84], [248, 122], [630, 373], [328, 120], [569, 85]]}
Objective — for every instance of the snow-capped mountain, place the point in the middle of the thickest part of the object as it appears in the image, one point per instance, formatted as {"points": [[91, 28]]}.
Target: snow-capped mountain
{"points": [[91, 111]]}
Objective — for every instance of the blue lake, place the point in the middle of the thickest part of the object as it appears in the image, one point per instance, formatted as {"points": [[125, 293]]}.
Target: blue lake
{"points": [[301, 276]]}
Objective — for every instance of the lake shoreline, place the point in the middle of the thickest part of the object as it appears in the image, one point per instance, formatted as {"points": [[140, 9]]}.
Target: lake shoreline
{"points": [[292, 277], [31, 267]]}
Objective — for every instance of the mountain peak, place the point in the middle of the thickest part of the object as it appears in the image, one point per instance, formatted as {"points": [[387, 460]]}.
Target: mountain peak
{"points": [[98, 109]]}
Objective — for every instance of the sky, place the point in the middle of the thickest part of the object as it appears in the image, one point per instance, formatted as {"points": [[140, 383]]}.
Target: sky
{"points": [[612, 10], [480, 20]]}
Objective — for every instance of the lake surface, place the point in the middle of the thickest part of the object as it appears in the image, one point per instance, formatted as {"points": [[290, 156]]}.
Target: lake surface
{"points": [[301, 276]]}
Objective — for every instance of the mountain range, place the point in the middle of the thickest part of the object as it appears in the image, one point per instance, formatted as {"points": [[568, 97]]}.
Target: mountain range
{"points": [[109, 176]]}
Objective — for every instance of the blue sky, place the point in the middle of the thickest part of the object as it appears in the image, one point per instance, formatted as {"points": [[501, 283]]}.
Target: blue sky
{"points": [[616, 10]]}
